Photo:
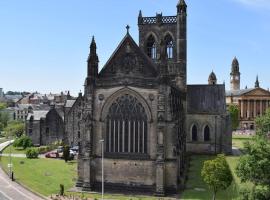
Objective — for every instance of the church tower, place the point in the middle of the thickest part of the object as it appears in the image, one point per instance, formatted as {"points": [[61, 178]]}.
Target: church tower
{"points": [[235, 75], [169, 32]]}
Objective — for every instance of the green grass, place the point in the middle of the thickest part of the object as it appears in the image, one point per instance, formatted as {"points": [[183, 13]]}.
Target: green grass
{"points": [[195, 181], [43, 175], [117, 197], [14, 150], [239, 140]]}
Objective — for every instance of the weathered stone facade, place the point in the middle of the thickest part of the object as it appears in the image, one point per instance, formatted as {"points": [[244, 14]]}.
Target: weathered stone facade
{"points": [[138, 105], [45, 127]]}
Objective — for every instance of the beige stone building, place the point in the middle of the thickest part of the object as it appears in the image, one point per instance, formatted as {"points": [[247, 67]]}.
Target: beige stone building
{"points": [[252, 102]]}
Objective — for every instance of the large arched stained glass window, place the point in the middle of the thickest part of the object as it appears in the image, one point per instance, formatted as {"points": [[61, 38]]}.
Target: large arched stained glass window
{"points": [[151, 47], [126, 126], [194, 133]]}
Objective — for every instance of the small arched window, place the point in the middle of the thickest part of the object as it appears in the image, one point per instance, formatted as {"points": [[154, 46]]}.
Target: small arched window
{"points": [[169, 46], [151, 47], [207, 133], [194, 133]]}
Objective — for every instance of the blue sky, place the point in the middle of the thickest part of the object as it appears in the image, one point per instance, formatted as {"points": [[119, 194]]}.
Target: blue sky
{"points": [[44, 44]]}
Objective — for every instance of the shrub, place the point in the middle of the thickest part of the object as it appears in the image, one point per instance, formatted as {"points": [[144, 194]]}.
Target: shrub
{"points": [[44, 149], [32, 153], [23, 141]]}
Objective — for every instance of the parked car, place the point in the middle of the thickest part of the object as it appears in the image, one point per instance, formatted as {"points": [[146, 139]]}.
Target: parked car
{"points": [[52, 154], [75, 149], [60, 149]]}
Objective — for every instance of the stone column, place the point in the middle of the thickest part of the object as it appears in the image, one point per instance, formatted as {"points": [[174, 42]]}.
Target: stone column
{"points": [[255, 108], [242, 108], [248, 110], [261, 107]]}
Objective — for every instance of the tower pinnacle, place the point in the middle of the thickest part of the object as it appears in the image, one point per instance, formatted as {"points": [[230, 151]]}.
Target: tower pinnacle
{"points": [[257, 83]]}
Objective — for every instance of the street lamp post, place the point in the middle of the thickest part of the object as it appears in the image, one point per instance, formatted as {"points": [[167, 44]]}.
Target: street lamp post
{"points": [[102, 168]]}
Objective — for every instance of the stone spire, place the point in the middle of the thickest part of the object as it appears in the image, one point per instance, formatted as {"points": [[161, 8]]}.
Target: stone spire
{"points": [[235, 66], [92, 69], [257, 83], [212, 80]]}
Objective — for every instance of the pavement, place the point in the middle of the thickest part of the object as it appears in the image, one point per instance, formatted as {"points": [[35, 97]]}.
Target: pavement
{"points": [[10, 190]]}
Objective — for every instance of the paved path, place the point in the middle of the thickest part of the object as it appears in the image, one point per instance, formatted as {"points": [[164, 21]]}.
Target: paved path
{"points": [[11, 190]]}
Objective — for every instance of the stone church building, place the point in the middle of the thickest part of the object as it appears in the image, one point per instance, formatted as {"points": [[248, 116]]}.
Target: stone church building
{"points": [[143, 109]]}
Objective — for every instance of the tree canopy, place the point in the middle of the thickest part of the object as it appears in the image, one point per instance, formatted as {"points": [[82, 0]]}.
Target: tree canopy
{"points": [[217, 174], [234, 113], [254, 166]]}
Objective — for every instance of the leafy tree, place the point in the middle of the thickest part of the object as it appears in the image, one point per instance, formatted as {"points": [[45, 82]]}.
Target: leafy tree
{"points": [[15, 128], [234, 113], [217, 174], [66, 153], [263, 124], [254, 165], [3, 106]]}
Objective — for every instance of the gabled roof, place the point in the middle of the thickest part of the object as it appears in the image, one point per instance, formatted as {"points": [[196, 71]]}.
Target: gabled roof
{"points": [[69, 103], [206, 99], [238, 92], [38, 114], [246, 92], [129, 59]]}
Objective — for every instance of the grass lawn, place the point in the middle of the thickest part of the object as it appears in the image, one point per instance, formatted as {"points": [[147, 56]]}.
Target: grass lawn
{"points": [[43, 175], [239, 140], [14, 150], [195, 181]]}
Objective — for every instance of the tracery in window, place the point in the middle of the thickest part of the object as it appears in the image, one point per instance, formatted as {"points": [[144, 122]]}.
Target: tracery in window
{"points": [[126, 126], [151, 47], [169, 46]]}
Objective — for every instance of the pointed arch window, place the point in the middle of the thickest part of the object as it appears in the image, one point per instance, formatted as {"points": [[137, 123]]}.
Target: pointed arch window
{"points": [[169, 46], [206, 133], [194, 133], [151, 47], [126, 127]]}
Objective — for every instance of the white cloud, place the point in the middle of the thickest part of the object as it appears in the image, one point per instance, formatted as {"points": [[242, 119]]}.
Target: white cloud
{"points": [[256, 3]]}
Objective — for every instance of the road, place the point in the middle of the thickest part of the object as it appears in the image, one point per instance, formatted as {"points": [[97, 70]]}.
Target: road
{"points": [[11, 190]]}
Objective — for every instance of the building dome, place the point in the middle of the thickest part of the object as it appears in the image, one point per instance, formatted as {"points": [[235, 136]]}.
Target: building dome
{"points": [[235, 65], [212, 80]]}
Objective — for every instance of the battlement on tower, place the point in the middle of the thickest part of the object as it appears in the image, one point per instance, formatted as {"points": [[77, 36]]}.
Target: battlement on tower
{"points": [[159, 19]]}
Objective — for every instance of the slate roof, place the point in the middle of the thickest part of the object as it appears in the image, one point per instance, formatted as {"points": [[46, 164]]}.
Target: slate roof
{"points": [[37, 114], [206, 99], [238, 92], [69, 103]]}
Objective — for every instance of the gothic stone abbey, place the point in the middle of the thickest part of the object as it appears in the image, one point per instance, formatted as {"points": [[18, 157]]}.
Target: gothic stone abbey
{"points": [[148, 116]]}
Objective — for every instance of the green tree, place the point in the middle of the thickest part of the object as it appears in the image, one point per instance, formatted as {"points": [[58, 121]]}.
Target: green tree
{"points": [[66, 153], [3, 106], [234, 113], [254, 165], [217, 174], [263, 124], [15, 128]]}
